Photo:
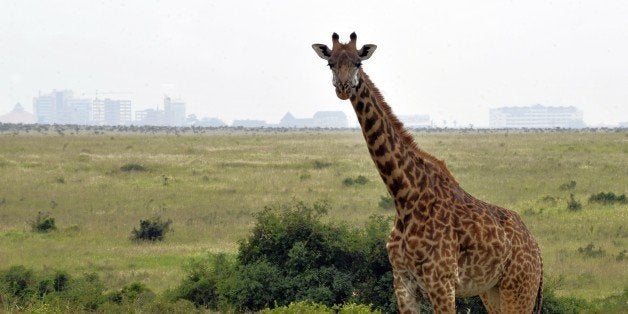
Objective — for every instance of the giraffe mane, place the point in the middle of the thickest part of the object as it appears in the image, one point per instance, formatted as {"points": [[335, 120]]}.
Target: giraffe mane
{"points": [[403, 133]]}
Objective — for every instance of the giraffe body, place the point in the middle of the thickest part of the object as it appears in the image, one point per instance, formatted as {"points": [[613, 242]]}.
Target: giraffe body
{"points": [[445, 243]]}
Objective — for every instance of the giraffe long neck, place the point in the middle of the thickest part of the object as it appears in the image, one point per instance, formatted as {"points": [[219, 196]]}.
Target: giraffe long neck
{"points": [[404, 167]]}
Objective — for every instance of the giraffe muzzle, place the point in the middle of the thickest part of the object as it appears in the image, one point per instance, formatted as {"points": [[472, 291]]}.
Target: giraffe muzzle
{"points": [[343, 91]]}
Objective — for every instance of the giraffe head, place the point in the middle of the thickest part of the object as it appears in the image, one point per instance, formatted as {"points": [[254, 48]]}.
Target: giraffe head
{"points": [[344, 60]]}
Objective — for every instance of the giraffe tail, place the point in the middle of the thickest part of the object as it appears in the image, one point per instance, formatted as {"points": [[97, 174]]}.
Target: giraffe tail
{"points": [[538, 305]]}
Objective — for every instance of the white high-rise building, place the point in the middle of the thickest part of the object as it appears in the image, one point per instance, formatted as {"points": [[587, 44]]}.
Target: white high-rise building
{"points": [[79, 111], [52, 108], [117, 112], [536, 116], [174, 112]]}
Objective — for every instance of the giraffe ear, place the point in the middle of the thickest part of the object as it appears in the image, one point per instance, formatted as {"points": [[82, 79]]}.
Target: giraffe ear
{"points": [[322, 51], [366, 51]]}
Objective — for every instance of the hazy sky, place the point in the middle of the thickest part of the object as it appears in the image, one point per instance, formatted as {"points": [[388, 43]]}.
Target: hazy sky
{"points": [[252, 59]]}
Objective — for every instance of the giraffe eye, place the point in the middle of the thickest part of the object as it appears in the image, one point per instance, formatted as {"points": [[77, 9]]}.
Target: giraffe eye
{"points": [[358, 64], [331, 65]]}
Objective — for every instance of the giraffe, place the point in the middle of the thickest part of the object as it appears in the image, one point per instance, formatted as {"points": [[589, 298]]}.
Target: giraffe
{"points": [[444, 243]]}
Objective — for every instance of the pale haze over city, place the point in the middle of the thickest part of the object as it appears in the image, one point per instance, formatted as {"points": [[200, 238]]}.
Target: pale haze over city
{"points": [[451, 60]]}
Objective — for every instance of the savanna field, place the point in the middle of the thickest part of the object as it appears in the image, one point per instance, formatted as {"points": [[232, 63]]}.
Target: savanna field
{"points": [[98, 185]]}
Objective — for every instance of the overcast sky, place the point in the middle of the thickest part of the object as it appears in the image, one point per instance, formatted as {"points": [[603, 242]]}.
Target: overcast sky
{"points": [[252, 59]]}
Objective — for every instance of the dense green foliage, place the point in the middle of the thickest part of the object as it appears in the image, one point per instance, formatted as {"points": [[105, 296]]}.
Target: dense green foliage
{"points": [[152, 229], [292, 255], [608, 198], [43, 223]]}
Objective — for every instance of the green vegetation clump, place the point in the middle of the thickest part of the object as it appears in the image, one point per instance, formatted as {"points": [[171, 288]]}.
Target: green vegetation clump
{"points": [[590, 251], [608, 198], [386, 202], [133, 167], [320, 164], [152, 229], [291, 256], [573, 204], [43, 223], [570, 185], [307, 307], [359, 180]]}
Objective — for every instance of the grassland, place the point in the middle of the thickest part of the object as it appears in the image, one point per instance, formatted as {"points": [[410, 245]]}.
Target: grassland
{"points": [[210, 184]]}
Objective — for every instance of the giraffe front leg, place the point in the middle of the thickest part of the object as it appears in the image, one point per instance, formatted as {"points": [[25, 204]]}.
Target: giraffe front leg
{"points": [[440, 285], [407, 292]]}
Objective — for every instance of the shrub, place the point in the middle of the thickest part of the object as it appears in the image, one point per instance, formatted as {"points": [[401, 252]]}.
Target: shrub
{"points": [[360, 180], [608, 198], [18, 283], [131, 293], [320, 164], [292, 255], [590, 251], [386, 202], [133, 167], [43, 223], [204, 276], [153, 229], [573, 204], [568, 185]]}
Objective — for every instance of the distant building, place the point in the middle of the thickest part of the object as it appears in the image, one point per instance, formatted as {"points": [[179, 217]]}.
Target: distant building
{"points": [[61, 107], [117, 112], [330, 119], [249, 123], [78, 111], [98, 112], [149, 117], [321, 119], [416, 121], [18, 115], [52, 108], [174, 112], [536, 116], [210, 122]]}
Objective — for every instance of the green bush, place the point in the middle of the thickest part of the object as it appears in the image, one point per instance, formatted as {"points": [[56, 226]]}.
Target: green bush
{"points": [[570, 185], [573, 204], [608, 198], [43, 223], [359, 180], [18, 284], [204, 278], [22, 288], [308, 307], [133, 167], [386, 202], [291, 256], [131, 293], [320, 164], [590, 251], [153, 229]]}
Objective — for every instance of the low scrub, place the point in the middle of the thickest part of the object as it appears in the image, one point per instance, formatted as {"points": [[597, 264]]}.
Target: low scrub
{"points": [[43, 223], [386, 202], [573, 204], [608, 198], [359, 180], [152, 229], [133, 167]]}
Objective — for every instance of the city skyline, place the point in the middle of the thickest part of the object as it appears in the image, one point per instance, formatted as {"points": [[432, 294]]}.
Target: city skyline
{"points": [[61, 107], [452, 60]]}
